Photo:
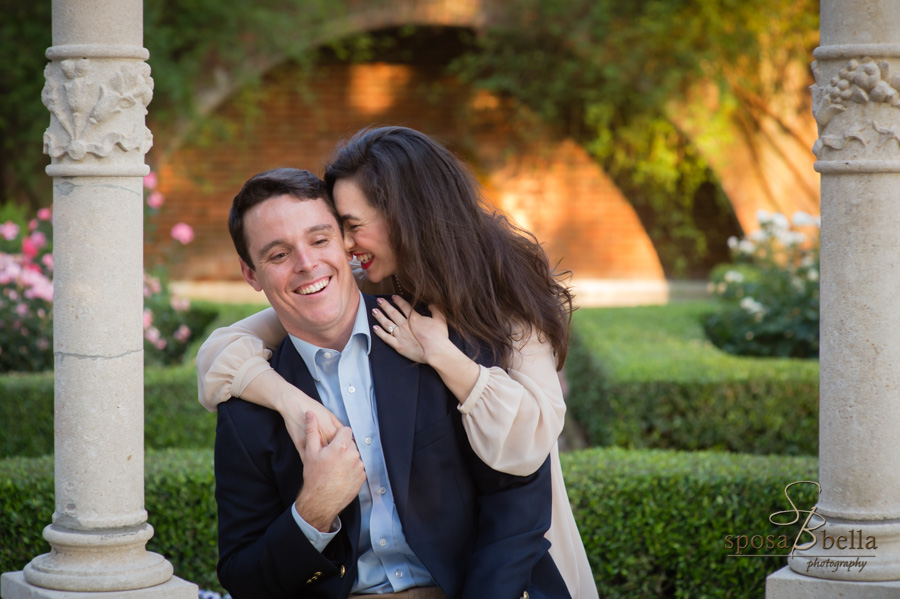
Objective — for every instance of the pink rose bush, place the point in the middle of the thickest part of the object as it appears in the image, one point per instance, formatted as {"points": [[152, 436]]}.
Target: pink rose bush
{"points": [[26, 294]]}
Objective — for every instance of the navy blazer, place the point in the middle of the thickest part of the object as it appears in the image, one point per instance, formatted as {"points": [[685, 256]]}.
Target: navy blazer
{"points": [[479, 532]]}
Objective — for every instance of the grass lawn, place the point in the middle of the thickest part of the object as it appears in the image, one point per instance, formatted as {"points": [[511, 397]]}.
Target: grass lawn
{"points": [[667, 343]]}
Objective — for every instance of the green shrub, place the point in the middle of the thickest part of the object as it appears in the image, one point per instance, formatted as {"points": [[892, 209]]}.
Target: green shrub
{"points": [[647, 378], [172, 415], [655, 523]]}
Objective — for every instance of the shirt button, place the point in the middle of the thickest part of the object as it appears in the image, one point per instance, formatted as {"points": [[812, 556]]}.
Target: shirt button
{"points": [[382, 490], [398, 574], [327, 354], [368, 440], [383, 542], [351, 389]]}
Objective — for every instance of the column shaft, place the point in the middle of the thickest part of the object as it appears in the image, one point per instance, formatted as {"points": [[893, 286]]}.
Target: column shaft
{"points": [[97, 89]]}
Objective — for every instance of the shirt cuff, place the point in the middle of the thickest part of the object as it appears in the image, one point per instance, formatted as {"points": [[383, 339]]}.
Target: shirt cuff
{"points": [[318, 539]]}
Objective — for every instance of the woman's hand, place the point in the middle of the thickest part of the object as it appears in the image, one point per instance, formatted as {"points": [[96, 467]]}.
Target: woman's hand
{"points": [[294, 409], [419, 338]]}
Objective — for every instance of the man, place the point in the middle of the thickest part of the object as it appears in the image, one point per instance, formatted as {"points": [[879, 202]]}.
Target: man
{"points": [[396, 504]]}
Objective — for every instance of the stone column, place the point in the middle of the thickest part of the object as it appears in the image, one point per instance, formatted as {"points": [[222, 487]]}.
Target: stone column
{"points": [[97, 90], [856, 103]]}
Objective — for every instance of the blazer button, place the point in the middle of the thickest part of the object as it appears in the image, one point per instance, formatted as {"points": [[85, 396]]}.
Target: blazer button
{"points": [[524, 595], [343, 570], [314, 577]]}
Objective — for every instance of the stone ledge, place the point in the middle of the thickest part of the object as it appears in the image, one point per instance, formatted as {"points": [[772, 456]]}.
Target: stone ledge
{"points": [[14, 586], [787, 584]]}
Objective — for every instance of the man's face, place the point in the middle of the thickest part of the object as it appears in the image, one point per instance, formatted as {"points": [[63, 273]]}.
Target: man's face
{"points": [[302, 266]]}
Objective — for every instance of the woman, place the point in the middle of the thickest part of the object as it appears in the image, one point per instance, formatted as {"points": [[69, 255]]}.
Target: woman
{"points": [[415, 220]]}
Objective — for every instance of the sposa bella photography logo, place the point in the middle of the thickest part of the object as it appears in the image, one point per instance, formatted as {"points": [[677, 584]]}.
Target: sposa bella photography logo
{"points": [[859, 548]]}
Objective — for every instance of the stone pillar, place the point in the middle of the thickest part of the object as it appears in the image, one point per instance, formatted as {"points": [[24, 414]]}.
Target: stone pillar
{"points": [[97, 90], [856, 103]]}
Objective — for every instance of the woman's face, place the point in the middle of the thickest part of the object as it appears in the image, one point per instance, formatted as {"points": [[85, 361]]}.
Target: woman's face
{"points": [[366, 231]]}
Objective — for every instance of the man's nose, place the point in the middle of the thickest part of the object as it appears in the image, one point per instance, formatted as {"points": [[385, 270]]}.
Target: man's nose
{"points": [[304, 260]]}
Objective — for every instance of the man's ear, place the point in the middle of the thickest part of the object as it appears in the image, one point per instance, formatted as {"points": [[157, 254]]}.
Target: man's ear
{"points": [[250, 275]]}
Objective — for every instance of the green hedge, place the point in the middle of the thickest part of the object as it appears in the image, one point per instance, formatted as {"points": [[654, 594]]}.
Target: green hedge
{"points": [[179, 497], [170, 396], [647, 378], [654, 522]]}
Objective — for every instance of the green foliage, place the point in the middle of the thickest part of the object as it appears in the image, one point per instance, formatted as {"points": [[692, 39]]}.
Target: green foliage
{"points": [[611, 74], [655, 523], [647, 377], [24, 36], [769, 298], [170, 396]]}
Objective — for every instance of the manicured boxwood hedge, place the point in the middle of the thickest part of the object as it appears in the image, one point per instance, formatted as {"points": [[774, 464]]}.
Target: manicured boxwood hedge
{"points": [[654, 522], [172, 415], [647, 378]]}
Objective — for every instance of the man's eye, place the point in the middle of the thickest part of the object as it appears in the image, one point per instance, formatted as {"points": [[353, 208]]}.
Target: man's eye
{"points": [[320, 242], [278, 256]]}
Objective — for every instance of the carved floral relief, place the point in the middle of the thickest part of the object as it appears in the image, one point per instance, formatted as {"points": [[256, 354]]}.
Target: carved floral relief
{"points": [[871, 87], [96, 109]]}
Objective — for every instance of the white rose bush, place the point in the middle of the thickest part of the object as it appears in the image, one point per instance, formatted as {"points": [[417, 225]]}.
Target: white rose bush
{"points": [[768, 297]]}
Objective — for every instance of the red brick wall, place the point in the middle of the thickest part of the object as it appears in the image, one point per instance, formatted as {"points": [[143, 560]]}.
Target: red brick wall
{"points": [[546, 183]]}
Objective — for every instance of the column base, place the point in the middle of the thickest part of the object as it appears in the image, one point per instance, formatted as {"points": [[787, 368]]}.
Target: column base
{"points": [[787, 584], [14, 586]]}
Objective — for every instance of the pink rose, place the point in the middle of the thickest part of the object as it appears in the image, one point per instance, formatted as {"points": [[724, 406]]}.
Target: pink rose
{"points": [[32, 224], [29, 248], [180, 304], [39, 239], [43, 214], [148, 319], [150, 181], [155, 200], [47, 260], [183, 233], [9, 230], [182, 333], [152, 335]]}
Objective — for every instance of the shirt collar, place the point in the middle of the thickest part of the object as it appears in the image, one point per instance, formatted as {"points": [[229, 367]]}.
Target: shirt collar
{"points": [[308, 351]]}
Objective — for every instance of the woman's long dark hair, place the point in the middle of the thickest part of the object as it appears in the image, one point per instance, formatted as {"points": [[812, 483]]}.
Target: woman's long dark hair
{"points": [[453, 250]]}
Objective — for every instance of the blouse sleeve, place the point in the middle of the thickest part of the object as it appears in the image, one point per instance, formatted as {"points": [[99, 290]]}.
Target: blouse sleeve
{"points": [[233, 356], [514, 417]]}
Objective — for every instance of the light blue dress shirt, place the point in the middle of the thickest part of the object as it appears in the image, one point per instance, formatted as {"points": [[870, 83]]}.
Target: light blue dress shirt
{"points": [[344, 381]]}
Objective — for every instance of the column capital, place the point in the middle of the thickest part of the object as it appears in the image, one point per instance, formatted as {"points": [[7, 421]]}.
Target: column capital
{"points": [[856, 104], [97, 97]]}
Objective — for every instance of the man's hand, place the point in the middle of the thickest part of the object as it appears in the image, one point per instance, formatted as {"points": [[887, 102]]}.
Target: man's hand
{"points": [[332, 475]]}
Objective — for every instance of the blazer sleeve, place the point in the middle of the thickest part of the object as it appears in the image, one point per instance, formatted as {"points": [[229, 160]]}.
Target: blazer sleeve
{"points": [[513, 516], [514, 418], [235, 355], [263, 554]]}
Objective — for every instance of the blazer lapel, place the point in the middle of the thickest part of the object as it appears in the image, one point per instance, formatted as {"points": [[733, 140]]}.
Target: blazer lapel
{"points": [[396, 383]]}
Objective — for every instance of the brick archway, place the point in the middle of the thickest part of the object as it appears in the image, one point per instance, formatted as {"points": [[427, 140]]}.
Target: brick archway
{"points": [[545, 181]]}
